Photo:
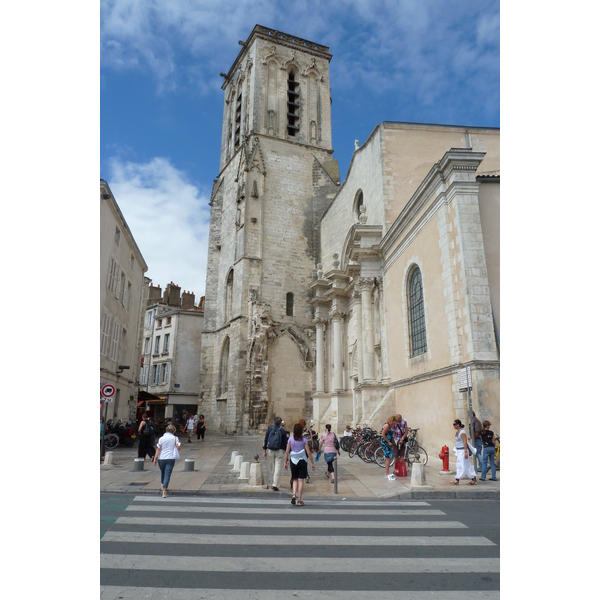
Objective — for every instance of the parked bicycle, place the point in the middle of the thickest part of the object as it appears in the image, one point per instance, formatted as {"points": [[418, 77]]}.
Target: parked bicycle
{"points": [[412, 451]]}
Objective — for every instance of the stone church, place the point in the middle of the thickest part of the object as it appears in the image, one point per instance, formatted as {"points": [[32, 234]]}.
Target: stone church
{"points": [[346, 303]]}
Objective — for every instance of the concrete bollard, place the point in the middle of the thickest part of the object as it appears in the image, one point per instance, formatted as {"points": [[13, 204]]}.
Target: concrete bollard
{"points": [[256, 475], [109, 458], [189, 464], [138, 464], [233, 455], [245, 471], [417, 476], [237, 465]]}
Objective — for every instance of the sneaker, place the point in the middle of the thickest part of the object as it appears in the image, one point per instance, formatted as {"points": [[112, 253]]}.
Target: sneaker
{"points": [[391, 477], [275, 489]]}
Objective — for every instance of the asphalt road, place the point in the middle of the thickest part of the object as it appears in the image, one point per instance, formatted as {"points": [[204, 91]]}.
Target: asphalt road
{"points": [[183, 548]]}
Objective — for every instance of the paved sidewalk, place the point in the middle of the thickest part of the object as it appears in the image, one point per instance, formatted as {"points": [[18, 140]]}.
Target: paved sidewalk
{"points": [[213, 475]]}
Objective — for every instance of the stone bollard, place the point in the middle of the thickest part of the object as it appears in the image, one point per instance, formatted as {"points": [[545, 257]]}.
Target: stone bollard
{"points": [[237, 465], [256, 475], [189, 464], [109, 458], [138, 464], [417, 476], [233, 455], [244, 471]]}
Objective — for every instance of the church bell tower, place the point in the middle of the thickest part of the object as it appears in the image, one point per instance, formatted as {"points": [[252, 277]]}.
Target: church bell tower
{"points": [[276, 179]]}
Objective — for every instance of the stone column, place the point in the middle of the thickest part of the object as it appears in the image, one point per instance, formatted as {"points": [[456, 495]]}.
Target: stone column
{"points": [[320, 324], [359, 334], [367, 329], [337, 317]]}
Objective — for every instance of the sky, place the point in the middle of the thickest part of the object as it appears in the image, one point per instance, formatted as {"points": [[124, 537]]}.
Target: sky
{"points": [[161, 103]]}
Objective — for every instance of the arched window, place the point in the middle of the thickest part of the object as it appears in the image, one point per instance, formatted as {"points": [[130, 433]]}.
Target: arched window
{"points": [[289, 304], [228, 295], [358, 202], [418, 336], [222, 382]]}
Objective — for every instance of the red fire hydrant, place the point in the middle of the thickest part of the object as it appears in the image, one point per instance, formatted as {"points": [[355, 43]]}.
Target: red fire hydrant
{"points": [[445, 456]]}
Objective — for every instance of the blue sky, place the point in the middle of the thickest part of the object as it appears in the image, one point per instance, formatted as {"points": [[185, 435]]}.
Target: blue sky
{"points": [[161, 102]]}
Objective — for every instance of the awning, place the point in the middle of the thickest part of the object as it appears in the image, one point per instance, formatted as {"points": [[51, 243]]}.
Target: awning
{"points": [[144, 397]]}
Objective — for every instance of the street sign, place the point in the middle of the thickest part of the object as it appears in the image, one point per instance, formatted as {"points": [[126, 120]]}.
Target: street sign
{"points": [[107, 390], [464, 380], [106, 400]]}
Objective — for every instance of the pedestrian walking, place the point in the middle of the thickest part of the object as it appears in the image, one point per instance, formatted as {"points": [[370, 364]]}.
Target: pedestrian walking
{"points": [[201, 427], [297, 452], [387, 443], [274, 446], [146, 434], [489, 450], [167, 452], [327, 446], [190, 428], [477, 429], [461, 449]]}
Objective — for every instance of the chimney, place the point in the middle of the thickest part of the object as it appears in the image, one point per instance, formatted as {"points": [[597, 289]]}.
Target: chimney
{"points": [[171, 295], [154, 293], [187, 299]]}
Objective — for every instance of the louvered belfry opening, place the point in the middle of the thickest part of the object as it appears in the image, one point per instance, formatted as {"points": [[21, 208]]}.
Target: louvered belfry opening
{"points": [[293, 114]]}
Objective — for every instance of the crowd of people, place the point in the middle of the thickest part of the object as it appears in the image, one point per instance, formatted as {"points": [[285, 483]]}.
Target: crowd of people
{"points": [[293, 452]]}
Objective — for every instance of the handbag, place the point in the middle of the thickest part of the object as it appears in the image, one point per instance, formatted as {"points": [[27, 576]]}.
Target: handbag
{"points": [[318, 456], [175, 450]]}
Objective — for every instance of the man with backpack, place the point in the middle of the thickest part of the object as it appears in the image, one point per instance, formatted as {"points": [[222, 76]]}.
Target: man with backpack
{"points": [[146, 433], [274, 446]]}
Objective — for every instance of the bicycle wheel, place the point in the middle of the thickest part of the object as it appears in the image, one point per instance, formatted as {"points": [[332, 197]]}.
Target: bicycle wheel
{"points": [[353, 449], [370, 451], [418, 454], [111, 441], [380, 458], [362, 453]]}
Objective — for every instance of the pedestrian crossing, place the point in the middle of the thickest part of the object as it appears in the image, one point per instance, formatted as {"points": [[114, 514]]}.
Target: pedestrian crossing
{"points": [[183, 548]]}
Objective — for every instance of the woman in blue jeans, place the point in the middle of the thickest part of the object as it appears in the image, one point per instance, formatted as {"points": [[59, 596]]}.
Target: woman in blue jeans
{"points": [[489, 450], [168, 450]]}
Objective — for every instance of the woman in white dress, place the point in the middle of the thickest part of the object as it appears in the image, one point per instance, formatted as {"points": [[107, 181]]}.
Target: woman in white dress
{"points": [[464, 468]]}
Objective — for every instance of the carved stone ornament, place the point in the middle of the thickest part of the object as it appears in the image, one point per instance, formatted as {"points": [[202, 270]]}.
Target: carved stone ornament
{"points": [[337, 314], [336, 262], [319, 271], [363, 215]]}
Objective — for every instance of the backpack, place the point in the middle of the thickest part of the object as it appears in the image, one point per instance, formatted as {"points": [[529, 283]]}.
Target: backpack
{"points": [[336, 442], [148, 428], [274, 441]]}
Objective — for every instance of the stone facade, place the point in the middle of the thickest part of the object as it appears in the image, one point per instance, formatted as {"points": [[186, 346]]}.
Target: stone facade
{"points": [[346, 304], [123, 290], [172, 344], [277, 179]]}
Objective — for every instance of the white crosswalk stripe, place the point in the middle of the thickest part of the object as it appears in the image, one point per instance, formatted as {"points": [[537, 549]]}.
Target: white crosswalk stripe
{"points": [[186, 548]]}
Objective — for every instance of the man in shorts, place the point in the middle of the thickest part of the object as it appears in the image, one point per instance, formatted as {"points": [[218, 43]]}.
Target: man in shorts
{"points": [[399, 433]]}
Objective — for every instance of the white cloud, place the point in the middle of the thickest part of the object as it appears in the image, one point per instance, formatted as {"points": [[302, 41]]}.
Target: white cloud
{"points": [[169, 219], [372, 41]]}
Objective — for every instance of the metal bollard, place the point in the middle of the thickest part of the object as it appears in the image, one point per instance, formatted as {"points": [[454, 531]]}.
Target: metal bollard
{"points": [[189, 464], [335, 475], [138, 464]]}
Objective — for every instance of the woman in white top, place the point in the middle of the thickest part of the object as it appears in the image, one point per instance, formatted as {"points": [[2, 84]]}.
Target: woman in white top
{"points": [[168, 449], [461, 449]]}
